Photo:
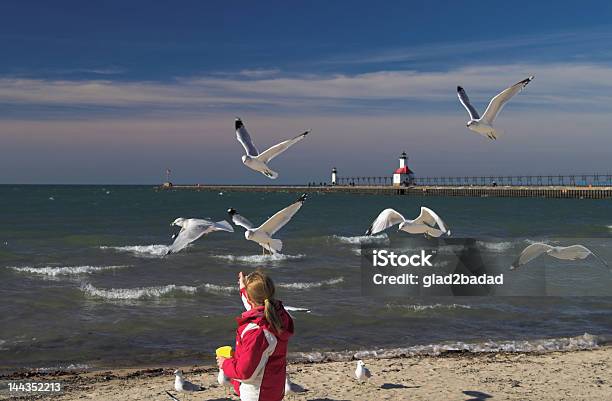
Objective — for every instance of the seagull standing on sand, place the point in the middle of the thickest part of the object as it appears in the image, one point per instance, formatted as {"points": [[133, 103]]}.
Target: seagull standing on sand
{"points": [[224, 381], [292, 388], [572, 252], [263, 234], [484, 125], [259, 161], [362, 373], [424, 224], [181, 384], [192, 229]]}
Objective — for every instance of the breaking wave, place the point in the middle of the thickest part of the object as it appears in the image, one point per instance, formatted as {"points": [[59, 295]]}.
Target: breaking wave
{"points": [[221, 289], [64, 270], [586, 341], [258, 259], [495, 246], [316, 284], [420, 308], [362, 239], [140, 250], [70, 367], [137, 293]]}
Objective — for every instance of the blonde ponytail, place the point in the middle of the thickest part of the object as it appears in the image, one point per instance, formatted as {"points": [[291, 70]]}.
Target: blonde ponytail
{"points": [[260, 290], [272, 316]]}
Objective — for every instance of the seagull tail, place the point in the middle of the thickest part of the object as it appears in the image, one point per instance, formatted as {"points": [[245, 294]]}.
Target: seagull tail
{"points": [[497, 133], [270, 174], [275, 245]]}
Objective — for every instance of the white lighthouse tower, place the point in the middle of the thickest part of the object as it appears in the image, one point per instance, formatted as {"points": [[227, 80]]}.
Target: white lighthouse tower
{"points": [[403, 175], [334, 177]]}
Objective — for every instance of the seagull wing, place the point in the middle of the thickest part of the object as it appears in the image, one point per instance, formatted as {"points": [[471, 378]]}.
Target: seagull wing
{"points": [[367, 372], [295, 309], [194, 229], [498, 102], [602, 260], [385, 219], [574, 252], [245, 139], [276, 150], [530, 253], [430, 218], [189, 386], [278, 221], [465, 101], [242, 221]]}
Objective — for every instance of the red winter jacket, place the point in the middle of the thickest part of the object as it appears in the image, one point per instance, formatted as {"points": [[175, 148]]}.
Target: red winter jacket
{"points": [[260, 360]]}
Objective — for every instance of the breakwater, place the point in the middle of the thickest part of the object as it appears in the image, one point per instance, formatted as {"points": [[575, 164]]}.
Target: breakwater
{"points": [[576, 192]]}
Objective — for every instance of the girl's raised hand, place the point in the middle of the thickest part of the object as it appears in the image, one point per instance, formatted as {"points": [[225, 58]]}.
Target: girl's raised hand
{"points": [[241, 280]]}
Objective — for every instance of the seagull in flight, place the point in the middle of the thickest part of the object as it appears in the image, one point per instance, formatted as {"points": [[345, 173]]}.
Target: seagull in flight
{"points": [[259, 161], [263, 234], [572, 252], [484, 125], [424, 224], [192, 229]]}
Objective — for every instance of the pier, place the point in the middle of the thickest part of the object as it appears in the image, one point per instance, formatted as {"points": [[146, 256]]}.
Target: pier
{"points": [[577, 192], [577, 186]]}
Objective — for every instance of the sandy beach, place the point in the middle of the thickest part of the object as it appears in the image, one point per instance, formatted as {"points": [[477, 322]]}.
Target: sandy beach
{"points": [[577, 375]]}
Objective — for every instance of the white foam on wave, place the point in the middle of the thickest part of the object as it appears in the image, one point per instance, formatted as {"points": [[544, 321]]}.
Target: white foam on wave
{"points": [[421, 308], [70, 367], [316, 284], [540, 241], [586, 341], [258, 259], [140, 250], [362, 239], [219, 288], [64, 270], [495, 246], [136, 293]]}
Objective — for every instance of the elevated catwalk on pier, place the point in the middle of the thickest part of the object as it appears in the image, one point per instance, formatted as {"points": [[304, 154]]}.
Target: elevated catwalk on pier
{"points": [[577, 192]]}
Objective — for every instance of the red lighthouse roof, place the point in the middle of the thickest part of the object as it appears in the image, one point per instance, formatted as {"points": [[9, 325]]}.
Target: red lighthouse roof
{"points": [[403, 170]]}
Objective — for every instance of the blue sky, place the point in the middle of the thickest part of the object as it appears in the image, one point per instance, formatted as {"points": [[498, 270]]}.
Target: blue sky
{"points": [[115, 92]]}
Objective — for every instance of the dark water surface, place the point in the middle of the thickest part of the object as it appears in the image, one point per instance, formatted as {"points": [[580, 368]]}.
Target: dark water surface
{"points": [[83, 279]]}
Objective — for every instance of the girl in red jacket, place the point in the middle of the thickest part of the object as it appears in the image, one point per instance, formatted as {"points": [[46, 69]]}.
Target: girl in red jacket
{"points": [[259, 363]]}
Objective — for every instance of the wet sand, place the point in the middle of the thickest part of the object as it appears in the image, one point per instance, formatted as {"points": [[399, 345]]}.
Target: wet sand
{"points": [[576, 375]]}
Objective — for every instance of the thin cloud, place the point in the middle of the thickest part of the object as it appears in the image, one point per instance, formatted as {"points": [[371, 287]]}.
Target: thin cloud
{"points": [[556, 85], [448, 49], [259, 73]]}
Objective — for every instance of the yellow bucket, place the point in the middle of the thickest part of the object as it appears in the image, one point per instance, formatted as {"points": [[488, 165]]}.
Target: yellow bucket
{"points": [[225, 351]]}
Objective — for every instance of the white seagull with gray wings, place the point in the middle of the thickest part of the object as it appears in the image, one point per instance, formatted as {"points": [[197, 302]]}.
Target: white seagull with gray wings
{"points": [[259, 161], [484, 125]]}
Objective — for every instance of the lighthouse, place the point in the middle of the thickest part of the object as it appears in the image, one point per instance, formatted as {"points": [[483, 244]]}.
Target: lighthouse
{"points": [[403, 175], [334, 178]]}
